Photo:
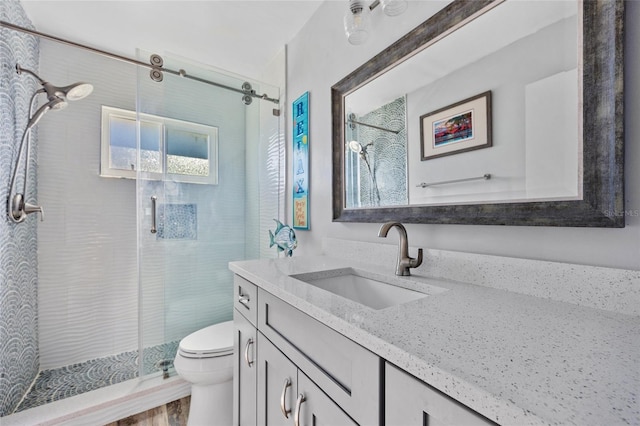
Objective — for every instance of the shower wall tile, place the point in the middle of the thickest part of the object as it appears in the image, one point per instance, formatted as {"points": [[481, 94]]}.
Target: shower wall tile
{"points": [[87, 295], [387, 155], [178, 221], [19, 356]]}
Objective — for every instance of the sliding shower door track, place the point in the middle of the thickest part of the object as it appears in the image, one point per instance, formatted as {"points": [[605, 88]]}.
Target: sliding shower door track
{"points": [[245, 91]]}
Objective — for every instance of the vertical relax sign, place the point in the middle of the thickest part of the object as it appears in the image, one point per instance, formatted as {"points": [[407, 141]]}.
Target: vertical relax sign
{"points": [[301, 162]]}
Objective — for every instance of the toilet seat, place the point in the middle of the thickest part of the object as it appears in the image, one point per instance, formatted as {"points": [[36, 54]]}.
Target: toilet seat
{"points": [[209, 342]]}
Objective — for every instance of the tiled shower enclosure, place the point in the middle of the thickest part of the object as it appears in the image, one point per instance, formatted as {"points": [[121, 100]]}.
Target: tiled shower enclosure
{"points": [[75, 287]]}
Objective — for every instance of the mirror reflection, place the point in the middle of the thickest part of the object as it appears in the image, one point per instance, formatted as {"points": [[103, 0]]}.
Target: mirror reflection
{"points": [[489, 113], [376, 156]]}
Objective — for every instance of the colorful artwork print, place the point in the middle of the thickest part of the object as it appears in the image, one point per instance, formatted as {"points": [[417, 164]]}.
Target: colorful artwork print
{"points": [[455, 129], [300, 181]]}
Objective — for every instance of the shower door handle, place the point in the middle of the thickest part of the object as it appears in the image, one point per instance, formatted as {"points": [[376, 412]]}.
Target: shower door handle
{"points": [[153, 214]]}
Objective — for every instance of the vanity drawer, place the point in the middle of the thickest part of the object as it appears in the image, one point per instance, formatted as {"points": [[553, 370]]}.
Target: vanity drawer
{"points": [[245, 299], [348, 373], [409, 401]]}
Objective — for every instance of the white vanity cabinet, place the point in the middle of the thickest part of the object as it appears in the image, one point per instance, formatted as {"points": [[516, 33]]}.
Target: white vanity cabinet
{"points": [[288, 396], [245, 352], [282, 353], [289, 367], [316, 408], [411, 402], [348, 373], [244, 371], [245, 299], [277, 385]]}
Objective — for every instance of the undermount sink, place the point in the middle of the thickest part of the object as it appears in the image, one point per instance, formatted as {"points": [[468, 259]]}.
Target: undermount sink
{"points": [[362, 287]]}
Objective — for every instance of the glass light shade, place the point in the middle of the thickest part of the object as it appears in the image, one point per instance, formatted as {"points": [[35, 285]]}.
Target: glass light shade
{"points": [[393, 7], [357, 22]]}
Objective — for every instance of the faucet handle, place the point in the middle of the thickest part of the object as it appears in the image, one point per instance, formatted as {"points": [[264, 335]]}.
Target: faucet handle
{"points": [[414, 263]]}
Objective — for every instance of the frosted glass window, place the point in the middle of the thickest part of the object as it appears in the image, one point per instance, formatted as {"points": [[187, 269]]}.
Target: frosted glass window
{"points": [[187, 152], [122, 145], [174, 149]]}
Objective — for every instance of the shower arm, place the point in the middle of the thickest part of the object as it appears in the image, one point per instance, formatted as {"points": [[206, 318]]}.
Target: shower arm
{"points": [[20, 70]]}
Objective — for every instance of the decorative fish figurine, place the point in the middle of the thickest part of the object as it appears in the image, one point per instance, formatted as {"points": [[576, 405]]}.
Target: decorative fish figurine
{"points": [[284, 238]]}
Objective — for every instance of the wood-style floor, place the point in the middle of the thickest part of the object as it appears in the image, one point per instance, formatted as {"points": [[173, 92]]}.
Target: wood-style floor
{"points": [[174, 413]]}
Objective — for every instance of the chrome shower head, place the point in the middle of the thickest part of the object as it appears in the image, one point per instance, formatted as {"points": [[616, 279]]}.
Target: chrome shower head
{"points": [[358, 148], [72, 92], [56, 103], [355, 146]]}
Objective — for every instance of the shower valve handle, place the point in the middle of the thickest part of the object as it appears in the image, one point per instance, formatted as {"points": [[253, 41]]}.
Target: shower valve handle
{"points": [[31, 208], [19, 209]]}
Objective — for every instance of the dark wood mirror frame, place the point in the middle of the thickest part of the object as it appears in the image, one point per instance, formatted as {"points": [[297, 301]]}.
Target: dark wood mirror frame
{"points": [[603, 129]]}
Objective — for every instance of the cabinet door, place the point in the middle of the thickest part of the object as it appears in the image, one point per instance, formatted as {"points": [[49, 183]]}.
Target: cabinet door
{"points": [[277, 385], [314, 408], [411, 402], [348, 373], [244, 369]]}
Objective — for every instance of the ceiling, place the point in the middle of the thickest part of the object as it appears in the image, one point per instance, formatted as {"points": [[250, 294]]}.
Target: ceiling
{"points": [[234, 35]]}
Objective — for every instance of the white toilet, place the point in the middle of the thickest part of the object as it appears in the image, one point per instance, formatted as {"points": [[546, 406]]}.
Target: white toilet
{"points": [[205, 359]]}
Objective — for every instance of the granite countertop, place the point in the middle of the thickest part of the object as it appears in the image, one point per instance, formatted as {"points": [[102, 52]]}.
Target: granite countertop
{"points": [[514, 358]]}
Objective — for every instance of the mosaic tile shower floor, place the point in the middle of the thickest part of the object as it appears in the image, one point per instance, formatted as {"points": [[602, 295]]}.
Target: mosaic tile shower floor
{"points": [[64, 382]]}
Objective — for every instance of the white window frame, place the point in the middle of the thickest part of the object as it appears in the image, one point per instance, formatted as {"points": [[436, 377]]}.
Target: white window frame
{"points": [[166, 124]]}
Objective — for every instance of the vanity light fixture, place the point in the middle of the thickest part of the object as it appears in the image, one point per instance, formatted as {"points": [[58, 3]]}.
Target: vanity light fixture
{"points": [[357, 20]]}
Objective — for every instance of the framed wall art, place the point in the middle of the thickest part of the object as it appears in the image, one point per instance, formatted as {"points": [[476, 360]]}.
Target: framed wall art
{"points": [[300, 113], [461, 127]]}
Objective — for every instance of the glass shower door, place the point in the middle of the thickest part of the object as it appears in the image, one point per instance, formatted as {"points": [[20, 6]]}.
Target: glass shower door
{"points": [[202, 154]]}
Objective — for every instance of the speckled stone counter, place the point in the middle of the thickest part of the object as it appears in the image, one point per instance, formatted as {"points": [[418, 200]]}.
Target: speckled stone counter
{"points": [[515, 358]]}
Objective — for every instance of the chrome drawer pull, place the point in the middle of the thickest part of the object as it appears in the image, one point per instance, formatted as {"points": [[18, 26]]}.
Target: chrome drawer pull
{"points": [[283, 397], [244, 299], [299, 402], [246, 352]]}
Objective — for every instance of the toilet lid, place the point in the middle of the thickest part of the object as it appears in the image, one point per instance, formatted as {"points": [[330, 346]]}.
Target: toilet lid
{"points": [[213, 340]]}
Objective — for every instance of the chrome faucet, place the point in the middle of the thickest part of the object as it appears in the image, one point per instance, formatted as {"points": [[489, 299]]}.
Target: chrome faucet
{"points": [[404, 261]]}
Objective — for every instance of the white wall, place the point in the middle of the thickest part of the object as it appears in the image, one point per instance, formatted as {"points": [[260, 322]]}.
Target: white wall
{"points": [[319, 56]]}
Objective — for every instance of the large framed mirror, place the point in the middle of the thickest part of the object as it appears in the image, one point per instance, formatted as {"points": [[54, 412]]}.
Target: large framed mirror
{"points": [[505, 112]]}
